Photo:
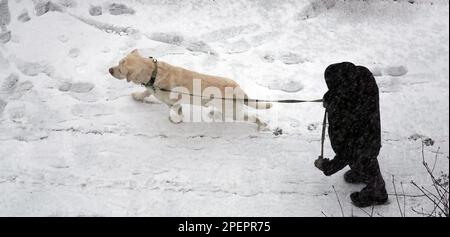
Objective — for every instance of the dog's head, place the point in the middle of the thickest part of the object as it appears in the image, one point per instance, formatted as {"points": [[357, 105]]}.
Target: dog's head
{"points": [[134, 68]]}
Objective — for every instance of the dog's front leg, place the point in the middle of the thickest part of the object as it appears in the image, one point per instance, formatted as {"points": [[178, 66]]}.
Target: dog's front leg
{"points": [[140, 96], [262, 126], [176, 114]]}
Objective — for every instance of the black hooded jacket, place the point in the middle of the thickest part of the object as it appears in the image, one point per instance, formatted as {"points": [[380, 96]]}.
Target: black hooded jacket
{"points": [[352, 102]]}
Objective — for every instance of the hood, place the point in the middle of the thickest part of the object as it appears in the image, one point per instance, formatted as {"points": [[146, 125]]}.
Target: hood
{"points": [[340, 76], [347, 80]]}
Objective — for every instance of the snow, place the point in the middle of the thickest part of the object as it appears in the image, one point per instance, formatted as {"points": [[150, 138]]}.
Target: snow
{"points": [[24, 17], [74, 143]]}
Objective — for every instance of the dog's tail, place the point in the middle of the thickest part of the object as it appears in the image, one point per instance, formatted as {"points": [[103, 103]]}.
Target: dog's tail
{"points": [[251, 102], [258, 105]]}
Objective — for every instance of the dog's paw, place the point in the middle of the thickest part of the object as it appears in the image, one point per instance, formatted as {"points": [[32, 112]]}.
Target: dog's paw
{"points": [[137, 96], [262, 126], [176, 114], [215, 116], [175, 119]]}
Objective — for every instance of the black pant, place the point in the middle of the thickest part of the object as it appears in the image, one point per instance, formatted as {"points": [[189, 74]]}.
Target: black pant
{"points": [[368, 167]]}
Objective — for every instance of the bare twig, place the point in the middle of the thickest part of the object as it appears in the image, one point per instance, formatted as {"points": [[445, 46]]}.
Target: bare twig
{"points": [[407, 195], [430, 172], [339, 201], [404, 200], [430, 193], [435, 208], [368, 214], [396, 196], [435, 159], [426, 195], [439, 197], [420, 212]]}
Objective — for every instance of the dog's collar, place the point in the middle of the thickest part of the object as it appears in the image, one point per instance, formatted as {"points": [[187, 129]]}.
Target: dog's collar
{"points": [[154, 73]]}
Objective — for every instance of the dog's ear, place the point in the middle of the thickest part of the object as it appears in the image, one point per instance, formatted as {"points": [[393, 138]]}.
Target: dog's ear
{"points": [[135, 51]]}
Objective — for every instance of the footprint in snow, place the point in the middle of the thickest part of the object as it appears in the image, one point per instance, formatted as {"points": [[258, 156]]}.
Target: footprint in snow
{"points": [[33, 69], [283, 84], [268, 58], [199, 46], [120, 9], [240, 46], [95, 11], [5, 37], [16, 112], [82, 87], [12, 89], [289, 86], [192, 45], [393, 71], [292, 58], [287, 58], [315, 8], [74, 53], [9, 84], [64, 87], [168, 38], [2, 106], [376, 71], [21, 89], [230, 32], [396, 71], [23, 16], [63, 38], [42, 7], [25, 86]]}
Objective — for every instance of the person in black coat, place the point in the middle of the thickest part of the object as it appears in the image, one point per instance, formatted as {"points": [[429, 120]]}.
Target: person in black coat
{"points": [[352, 104]]}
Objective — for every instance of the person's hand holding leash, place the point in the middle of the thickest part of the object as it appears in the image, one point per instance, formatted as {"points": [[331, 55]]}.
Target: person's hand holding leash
{"points": [[319, 163]]}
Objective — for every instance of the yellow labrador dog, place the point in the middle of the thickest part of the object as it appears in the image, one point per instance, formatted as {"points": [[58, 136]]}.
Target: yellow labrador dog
{"points": [[167, 83]]}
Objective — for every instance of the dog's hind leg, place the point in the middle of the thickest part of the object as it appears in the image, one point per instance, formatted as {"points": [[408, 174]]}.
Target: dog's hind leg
{"points": [[215, 115], [254, 118], [140, 96], [241, 114], [176, 114]]}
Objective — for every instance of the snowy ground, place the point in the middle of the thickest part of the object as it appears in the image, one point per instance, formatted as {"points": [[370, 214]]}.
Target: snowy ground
{"points": [[74, 143]]}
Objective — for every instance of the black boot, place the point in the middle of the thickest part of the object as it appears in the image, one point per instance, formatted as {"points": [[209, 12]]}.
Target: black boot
{"points": [[355, 177], [373, 194], [368, 197]]}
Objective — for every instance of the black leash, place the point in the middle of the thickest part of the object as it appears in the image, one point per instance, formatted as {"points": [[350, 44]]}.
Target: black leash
{"points": [[151, 83], [288, 101], [324, 129]]}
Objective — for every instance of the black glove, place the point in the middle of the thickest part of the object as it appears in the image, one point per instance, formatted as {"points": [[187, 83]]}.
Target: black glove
{"points": [[326, 99], [321, 163], [330, 167]]}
